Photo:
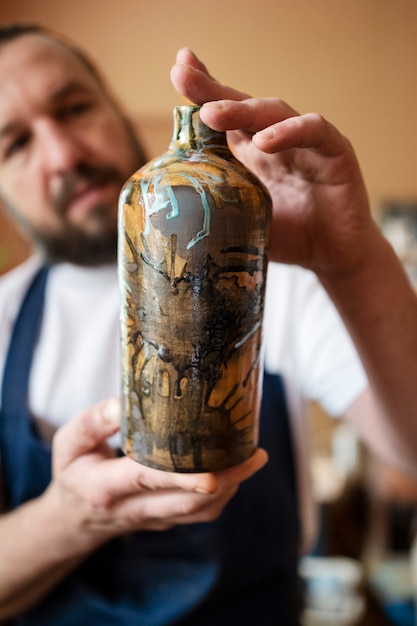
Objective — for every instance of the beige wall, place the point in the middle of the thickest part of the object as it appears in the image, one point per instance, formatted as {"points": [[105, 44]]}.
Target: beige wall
{"points": [[352, 60]]}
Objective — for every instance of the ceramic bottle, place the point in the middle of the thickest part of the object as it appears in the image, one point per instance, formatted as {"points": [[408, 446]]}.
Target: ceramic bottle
{"points": [[193, 243]]}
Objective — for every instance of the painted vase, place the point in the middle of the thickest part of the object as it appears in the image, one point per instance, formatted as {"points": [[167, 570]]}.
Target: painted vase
{"points": [[193, 240]]}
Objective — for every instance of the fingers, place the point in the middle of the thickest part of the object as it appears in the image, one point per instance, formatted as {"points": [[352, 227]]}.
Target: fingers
{"points": [[85, 433], [164, 498], [163, 509], [240, 473], [121, 478], [251, 114], [108, 496], [302, 131], [118, 478], [192, 80], [204, 483], [275, 125], [185, 56]]}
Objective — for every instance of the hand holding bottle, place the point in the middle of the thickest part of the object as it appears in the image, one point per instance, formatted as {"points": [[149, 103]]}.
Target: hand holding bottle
{"points": [[101, 496], [321, 210]]}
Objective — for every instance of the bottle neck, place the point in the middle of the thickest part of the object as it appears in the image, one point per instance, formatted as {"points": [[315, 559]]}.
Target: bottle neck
{"points": [[190, 133]]}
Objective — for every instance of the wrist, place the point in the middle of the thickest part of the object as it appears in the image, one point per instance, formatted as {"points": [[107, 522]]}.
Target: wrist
{"points": [[65, 526], [368, 288], [364, 267]]}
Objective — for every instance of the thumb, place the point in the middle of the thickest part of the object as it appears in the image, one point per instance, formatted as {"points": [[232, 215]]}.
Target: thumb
{"points": [[85, 433]]}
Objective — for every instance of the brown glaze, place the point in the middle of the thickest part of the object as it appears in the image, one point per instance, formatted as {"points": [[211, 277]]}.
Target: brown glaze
{"points": [[193, 237]]}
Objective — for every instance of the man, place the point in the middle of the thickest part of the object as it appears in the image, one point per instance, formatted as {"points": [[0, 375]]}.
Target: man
{"points": [[82, 546]]}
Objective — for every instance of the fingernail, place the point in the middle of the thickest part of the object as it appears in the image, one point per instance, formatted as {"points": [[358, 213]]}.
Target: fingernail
{"points": [[214, 104], [188, 67], [267, 134], [203, 491], [111, 411]]}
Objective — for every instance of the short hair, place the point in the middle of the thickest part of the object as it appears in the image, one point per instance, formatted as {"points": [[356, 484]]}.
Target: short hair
{"points": [[14, 30]]}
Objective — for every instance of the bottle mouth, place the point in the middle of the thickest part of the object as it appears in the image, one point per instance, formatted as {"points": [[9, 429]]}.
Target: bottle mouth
{"points": [[186, 108]]}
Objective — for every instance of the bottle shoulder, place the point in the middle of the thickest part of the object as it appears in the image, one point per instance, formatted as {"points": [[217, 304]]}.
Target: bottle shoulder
{"points": [[209, 168]]}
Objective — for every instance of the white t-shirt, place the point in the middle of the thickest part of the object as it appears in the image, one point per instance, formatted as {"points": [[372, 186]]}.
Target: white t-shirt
{"points": [[77, 358]]}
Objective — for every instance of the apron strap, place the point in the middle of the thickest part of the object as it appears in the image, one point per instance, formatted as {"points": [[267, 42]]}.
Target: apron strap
{"points": [[25, 458], [25, 334]]}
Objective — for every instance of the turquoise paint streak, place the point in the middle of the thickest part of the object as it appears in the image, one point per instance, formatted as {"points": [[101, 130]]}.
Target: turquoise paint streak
{"points": [[164, 196], [191, 139]]}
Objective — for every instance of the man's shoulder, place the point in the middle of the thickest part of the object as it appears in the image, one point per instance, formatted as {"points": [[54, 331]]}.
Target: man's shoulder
{"points": [[23, 271], [14, 283]]}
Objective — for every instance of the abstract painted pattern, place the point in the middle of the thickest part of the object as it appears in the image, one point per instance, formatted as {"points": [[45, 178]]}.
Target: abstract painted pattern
{"points": [[193, 237]]}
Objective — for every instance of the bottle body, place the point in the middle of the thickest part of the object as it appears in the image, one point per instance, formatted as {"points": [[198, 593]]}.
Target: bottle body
{"points": [[193, 240]]}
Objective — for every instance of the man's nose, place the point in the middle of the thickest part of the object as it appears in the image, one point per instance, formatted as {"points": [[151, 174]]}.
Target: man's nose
{"points": [[60, 149]]}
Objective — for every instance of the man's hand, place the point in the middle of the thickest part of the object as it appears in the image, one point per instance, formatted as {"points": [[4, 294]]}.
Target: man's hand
{"points": [[93, 497], [321, 211], [104, 496], [322, 221]]}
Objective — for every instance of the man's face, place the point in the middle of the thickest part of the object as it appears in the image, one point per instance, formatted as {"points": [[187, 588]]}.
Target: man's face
{"points": [[65, 151]]}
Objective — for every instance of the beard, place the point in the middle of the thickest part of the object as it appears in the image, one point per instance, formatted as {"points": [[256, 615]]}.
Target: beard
{"points": [[72, 244], [93, 243]]}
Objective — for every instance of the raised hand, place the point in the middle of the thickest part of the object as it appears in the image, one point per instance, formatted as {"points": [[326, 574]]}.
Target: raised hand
{"points": [[321, 210]]}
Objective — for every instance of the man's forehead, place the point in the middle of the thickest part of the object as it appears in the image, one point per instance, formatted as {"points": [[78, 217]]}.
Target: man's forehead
{"points": [[30, 46], [36, 66]]}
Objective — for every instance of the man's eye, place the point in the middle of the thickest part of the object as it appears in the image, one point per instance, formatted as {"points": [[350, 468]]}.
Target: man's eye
{"points": [[17, 145], [75, 109]]}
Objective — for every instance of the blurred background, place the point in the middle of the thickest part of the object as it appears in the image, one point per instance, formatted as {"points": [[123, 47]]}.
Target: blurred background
{"points": [[355, 62]]}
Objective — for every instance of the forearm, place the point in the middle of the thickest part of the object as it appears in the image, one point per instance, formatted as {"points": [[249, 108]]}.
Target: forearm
{"points": [[379, 309], [36, 553]]}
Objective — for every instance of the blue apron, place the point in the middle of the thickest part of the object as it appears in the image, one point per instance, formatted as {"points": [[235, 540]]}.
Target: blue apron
{"points": [[240, 569]]}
